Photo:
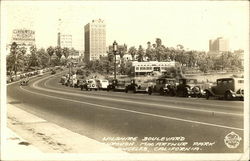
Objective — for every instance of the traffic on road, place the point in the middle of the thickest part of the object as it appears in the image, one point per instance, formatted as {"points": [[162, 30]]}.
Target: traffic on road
{"points": [[223, 88], [151, 111]]}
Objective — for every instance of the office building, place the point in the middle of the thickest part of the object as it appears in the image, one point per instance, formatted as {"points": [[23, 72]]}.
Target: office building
{"points": [[64, 40], [219, 45], [95, 40]]}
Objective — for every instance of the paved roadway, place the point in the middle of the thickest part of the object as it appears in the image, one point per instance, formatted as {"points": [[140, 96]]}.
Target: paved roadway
{"points": [[102, 114]]}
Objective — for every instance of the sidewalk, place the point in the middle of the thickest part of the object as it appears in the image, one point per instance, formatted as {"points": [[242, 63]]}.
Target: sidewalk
{"points": [[40, 136], [15, 143]]}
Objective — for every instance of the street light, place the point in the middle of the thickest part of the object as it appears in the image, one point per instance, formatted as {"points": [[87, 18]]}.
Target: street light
{"points": [[70, 63], [115, 50]]}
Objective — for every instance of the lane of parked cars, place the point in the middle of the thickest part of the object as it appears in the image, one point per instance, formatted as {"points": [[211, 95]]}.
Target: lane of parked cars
{"points": [[225, 88]]}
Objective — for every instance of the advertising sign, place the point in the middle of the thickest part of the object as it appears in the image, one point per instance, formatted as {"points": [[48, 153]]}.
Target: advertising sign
{"points": [[23, 36]]}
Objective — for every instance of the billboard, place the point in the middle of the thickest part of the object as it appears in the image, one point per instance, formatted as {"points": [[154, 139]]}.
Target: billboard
{"points": [[23, 36]]}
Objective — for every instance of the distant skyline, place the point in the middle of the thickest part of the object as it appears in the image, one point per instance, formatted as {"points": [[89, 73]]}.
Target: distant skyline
{"points": [[191, 23]]}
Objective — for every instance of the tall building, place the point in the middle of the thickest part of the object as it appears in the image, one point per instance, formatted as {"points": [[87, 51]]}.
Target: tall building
{"points": [[95, 40], [64, 40], [219, 45]]}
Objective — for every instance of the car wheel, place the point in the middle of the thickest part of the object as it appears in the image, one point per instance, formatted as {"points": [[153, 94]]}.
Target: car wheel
{"points": [[185, 92], [134, 90], [149, 91], [161, 91], [207, 95], [228, 96]]}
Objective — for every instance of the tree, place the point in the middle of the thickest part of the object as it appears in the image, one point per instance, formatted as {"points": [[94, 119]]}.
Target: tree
{"points": [[43, 57], [111, 56], [128, 69], [132, 51], [15, 60], [107, 65], [122, 51], [50, 51], [180, 47], [166, 54], [159, 49], [34, 61], [65, 52], [23, 50], [58, 51], [149, 52], [140, 53]]}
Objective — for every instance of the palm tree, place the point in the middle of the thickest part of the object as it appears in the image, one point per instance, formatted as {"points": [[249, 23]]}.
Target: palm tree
{"points": [[15, 60], [158, 42], [34, 60], [149, 52], [58, 51], [43, 57], [159, 49], [140, 53], [50, 51], [65, 52]]}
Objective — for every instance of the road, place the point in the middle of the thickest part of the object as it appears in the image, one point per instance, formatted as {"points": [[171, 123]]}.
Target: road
{"points": [[200, 125]]}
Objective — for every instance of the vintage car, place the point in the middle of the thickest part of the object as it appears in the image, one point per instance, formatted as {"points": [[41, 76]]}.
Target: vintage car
{"points": [[165, 86], [117, 85], [63, 80], [102, 84], [24, 81], [80, 81], [53, 71], [40, 73], [189, 87], [140, 85], [91, 84], [73, 82], [82, 84], [227, 88], [8, 79]]}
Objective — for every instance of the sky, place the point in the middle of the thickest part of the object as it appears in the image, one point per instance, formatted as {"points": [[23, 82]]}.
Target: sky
{"points": [[190, 23]]}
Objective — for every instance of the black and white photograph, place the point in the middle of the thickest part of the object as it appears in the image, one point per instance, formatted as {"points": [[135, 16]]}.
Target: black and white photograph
{"points": [[125, 80]]}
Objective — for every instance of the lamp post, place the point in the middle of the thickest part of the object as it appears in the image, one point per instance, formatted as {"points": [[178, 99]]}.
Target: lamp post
{"points": [[115, 50], [70, 66]]}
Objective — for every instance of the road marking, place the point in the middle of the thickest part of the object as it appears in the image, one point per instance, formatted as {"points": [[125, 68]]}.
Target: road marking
{"points": [[137, 112], [134, 102]]}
